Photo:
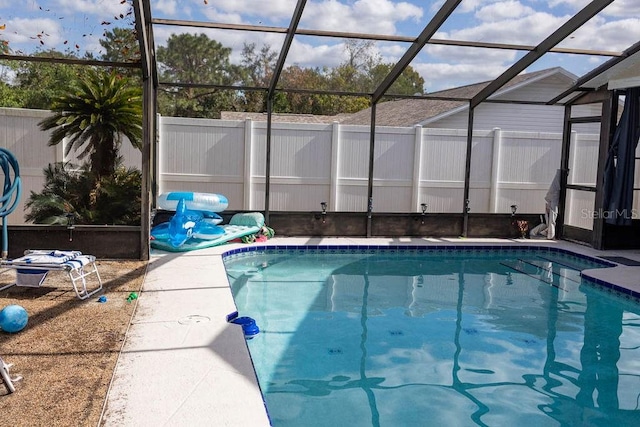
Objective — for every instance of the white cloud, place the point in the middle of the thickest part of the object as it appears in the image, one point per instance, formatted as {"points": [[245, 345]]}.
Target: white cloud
{"points": [[31, 32], [503, 10], [166, 7], [306, 55], [392, 52], [599, 34], [623, 8], [530, 29], [470, 55], [364, 16], [269, 11], [465, 6], [619, 8], [94, 7], [5, 4], [575, 4], [441, 76], [228, 18]]}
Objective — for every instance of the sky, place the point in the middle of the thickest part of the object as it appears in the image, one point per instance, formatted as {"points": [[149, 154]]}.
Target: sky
{"points": [[77, 25]]}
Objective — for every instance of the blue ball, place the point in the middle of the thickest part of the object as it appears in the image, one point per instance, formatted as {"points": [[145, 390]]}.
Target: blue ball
{"points": [[13, 318]]}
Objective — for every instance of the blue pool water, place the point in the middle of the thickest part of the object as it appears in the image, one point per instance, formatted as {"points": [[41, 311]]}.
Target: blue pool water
{"points": [[438, 338]]}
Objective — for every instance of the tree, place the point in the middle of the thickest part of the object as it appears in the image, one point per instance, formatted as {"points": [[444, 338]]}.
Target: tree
{"points": [[191, 58], [37, 84], [121, 45], [257, 70], [361, 54], [115, 201], [353, 74], [409, 82], [9, 96], [295, 77], [97, 112]]}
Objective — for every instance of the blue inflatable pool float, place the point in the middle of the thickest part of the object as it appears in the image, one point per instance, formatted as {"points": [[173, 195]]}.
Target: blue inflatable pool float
{"points": [[195, 222], [187, 224], [206, 202]]}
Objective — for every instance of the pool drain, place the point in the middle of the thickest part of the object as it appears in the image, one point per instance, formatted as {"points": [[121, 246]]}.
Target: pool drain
{"points": [[193, 318]]}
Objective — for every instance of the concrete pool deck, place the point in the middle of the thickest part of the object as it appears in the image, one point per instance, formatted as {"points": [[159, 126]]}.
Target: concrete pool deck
{"points": [[183, 364]]}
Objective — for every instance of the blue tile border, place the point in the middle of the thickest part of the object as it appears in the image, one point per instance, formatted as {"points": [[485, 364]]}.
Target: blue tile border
{"points": [[414, 249], [462, 248], [612, 287]]}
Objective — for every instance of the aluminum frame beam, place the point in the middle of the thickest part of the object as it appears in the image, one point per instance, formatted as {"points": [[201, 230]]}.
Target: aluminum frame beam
{"points": [[375, 37], [71, 61], [144, 29]]}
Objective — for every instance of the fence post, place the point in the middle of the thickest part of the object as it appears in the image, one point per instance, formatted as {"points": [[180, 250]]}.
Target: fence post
{"points": [[160, 156], [495, 170], [247, 182], [335, 167], [61, 149], [417, 163]]}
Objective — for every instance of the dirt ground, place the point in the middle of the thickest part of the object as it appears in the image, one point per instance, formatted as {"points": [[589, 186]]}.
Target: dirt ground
{"points": [[68, 350]]}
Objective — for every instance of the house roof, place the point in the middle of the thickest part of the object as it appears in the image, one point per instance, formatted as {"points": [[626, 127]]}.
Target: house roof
{"points": [[413, 111]]}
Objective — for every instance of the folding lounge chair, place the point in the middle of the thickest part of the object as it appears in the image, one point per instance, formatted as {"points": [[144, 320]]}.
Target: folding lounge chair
{"points": [[33, 267]]}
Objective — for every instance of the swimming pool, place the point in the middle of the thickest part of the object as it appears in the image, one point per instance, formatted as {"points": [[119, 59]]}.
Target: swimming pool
{"points": [[445, 336]]}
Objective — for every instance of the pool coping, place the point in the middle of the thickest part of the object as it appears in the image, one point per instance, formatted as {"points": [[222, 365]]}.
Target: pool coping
{"points": [[183, 363]]}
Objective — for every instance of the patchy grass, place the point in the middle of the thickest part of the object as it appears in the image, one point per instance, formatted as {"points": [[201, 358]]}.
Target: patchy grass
{"points": [[68, 351]]}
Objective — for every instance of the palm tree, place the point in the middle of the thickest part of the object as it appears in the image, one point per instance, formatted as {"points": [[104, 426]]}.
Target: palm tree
{"points": [[115, 199], [97, 112]]}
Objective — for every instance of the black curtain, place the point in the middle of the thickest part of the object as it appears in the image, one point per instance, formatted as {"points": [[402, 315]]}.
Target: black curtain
{"points": [[620, 165]]}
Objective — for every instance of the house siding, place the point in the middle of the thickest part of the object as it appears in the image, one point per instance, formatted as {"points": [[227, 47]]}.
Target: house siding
{"points": [[516, 117], [521, 117], [541, 90]]}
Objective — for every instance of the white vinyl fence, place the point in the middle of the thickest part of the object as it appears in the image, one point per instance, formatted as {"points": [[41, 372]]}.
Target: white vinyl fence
{"points": [[314, 163]]}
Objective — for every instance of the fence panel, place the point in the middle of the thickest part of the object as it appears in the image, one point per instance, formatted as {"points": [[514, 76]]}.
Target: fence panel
{"points": [[442, 169], [203, 156], [481, 168], [300, 165], [528, 164], [393, 169], [20, 134], [353, 169]]}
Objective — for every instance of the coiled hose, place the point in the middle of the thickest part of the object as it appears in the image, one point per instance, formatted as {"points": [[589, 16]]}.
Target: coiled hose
{"points": [[11, 191]]}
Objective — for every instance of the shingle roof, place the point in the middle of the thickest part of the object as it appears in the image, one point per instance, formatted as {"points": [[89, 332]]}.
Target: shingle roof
{"points": [[409, 112]]}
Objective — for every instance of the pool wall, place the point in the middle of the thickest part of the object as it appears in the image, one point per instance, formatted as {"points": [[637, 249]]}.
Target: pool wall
{"points": [[471, 249]]}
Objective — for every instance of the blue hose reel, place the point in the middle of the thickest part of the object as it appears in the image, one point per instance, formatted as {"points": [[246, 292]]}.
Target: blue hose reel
{"points": [[11, 191]]}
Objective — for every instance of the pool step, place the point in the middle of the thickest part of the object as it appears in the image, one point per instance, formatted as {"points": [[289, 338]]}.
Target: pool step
{"points": [[562, 270], [540, 271]]}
